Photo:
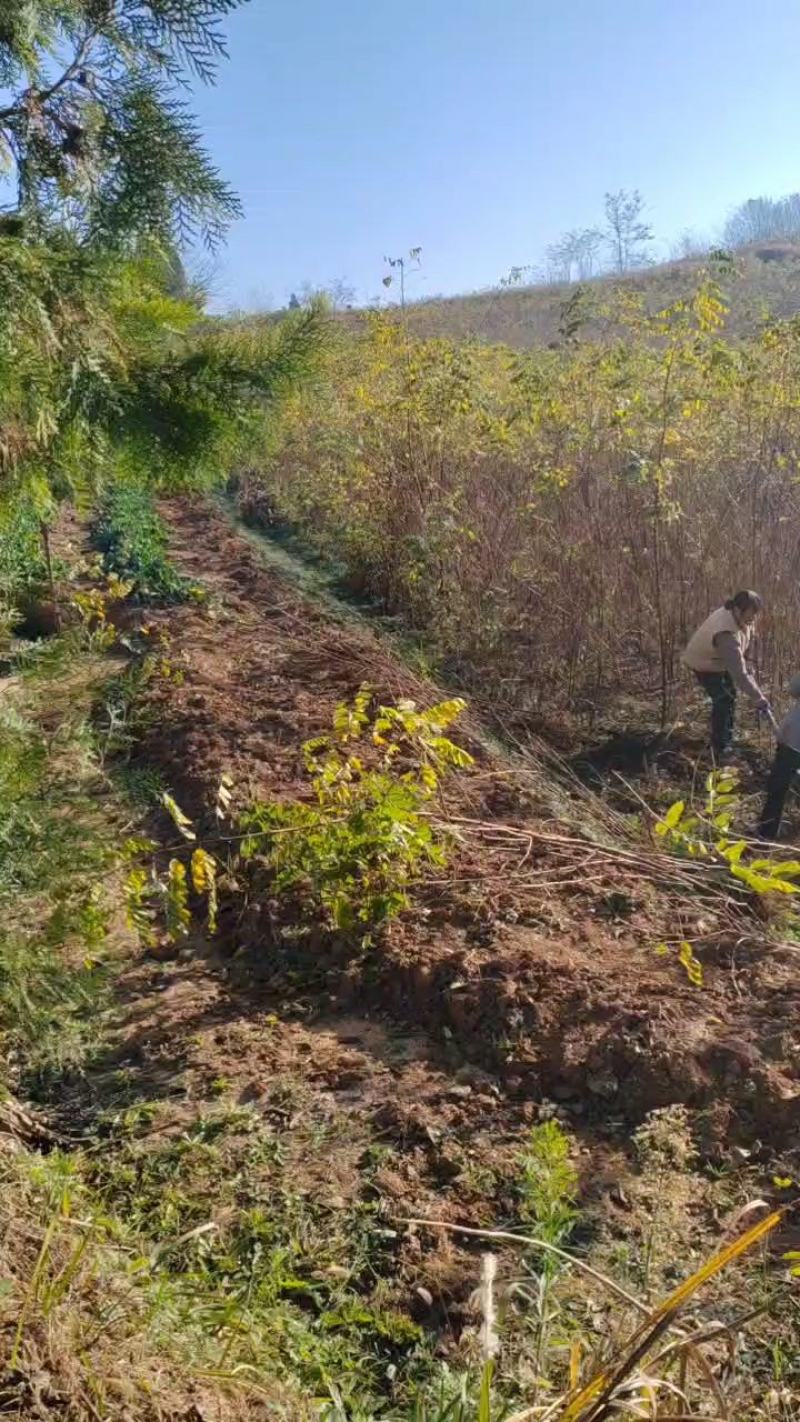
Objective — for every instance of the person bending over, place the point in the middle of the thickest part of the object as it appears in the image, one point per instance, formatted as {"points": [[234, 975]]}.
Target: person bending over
{"points": [[716, 655]]}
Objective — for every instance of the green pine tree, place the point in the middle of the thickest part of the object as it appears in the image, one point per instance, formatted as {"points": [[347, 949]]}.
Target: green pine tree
{"points": [[101, 136]]}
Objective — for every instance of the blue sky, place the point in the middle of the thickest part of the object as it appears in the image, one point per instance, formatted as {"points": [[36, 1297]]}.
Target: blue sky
{"points": [[480, 131]]}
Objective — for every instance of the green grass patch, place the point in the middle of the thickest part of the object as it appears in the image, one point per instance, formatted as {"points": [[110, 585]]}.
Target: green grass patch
{"points": [[22, 562], [190, 1250], [131, 535], [56, 851]]}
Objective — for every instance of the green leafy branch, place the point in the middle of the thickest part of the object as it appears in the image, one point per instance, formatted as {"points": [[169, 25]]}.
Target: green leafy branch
{"points": [[706, 835], [353, 854], [153, 897]]}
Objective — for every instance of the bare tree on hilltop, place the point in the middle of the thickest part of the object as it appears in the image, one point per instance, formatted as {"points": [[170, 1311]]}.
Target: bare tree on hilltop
{"points": [[575, 255], [578, 254], [627, 236], [689, 243], [338, 295], [764, 219]]}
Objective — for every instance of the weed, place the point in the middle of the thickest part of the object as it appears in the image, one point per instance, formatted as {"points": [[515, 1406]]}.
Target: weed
{"points": [[10, 619], [195, 1249], [452, 1398], [42, 846], [142, 785], [48, 1005], [548, 1182], [547, 1186], [120, 712], [53, 846]]}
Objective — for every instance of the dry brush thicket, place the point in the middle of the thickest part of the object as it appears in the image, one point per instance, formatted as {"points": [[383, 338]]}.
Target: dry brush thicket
{"points": [[556, 521]]}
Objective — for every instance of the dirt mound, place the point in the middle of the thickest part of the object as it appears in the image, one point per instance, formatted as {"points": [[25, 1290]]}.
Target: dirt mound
{"points": [[534, 955]]}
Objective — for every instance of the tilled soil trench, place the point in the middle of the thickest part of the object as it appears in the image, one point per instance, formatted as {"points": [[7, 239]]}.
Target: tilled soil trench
{"points": [[528, 970]]}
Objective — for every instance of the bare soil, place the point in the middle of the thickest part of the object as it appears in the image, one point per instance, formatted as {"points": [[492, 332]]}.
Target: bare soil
{"points": [[530, 964]]}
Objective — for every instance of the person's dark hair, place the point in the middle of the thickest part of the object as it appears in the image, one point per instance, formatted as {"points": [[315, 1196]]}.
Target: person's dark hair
{"points": [[745, 601]]}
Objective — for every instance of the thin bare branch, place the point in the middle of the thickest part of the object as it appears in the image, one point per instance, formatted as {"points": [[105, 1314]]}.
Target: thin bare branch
{"points": [[42, 96], [531, 1243]]}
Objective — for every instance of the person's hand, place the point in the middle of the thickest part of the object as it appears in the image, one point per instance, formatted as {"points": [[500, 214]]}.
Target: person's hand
{"points": [[764, 709]]}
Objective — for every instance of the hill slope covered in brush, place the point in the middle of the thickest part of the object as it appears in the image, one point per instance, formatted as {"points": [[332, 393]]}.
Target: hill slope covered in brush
{"points": [[764, 282]]}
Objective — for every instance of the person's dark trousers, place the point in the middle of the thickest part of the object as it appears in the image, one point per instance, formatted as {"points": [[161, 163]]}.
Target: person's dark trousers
{"points": [[722, 692], [786, 762]]}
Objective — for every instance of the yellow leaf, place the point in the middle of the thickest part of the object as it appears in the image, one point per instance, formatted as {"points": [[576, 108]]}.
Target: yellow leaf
{"points": [[428, 777], [734, 852], [202, 870], [178, 918], [671, 818], [574, 1362], [694, 969], [179, 819], [204, 881]]}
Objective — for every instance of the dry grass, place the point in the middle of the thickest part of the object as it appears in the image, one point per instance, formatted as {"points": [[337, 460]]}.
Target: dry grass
{"points": [[668, 1365], [92, 1328], [531, 316]]}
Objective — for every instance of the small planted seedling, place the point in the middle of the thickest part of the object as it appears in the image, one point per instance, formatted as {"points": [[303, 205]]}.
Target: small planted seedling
{"points": [[354, 853]]}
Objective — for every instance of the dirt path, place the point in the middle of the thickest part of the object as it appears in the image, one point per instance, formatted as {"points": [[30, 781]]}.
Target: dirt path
{"points": [[519, 980]]}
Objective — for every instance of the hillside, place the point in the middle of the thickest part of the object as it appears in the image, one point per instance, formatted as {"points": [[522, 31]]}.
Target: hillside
{"points": [[765, 281], [551, 524], [398, 1010], [263, 1157], [308, 970]]}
